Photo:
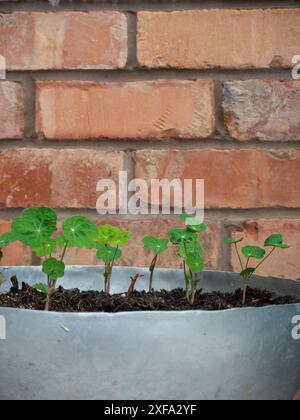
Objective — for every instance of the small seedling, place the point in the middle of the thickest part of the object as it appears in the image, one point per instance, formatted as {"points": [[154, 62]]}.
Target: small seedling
{"points": [[108, 243], [254, 253], [36, 228], [133, 283], [191, 252], [157, 246]]}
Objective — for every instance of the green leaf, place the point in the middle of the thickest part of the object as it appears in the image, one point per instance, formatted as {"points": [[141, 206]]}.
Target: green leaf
{"points": [[48, 248], [247, 272], [54, 268], [80, 232], [195, 263], [230, 241], [193, 223], [41, 287], [7, 239], [197, 228], [35, 226], [108, 253], [156, 245], [253, 252], [106, 234], [276, 241], [121, 238], [178, 236], [187, 248]]}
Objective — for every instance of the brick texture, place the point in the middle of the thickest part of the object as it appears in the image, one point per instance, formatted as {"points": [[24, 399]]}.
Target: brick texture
{"points": [[264, 110], [285, 263], [237, 179], [14, 254], [11, 110], [63, 40], [55, 178], [139, 110], [203, 39]]}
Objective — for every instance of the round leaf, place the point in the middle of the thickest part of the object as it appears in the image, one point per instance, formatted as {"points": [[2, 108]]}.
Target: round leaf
{"points": [[106, 234], [253, 252], [80, 232], [108, 253], [188, 248], [54, 268], [178, 236], [247, 272], [276, 241], [48, 248], [230, 241], [156, 245], [195, 263], [121, 238], [7, 239], [35, 226]]}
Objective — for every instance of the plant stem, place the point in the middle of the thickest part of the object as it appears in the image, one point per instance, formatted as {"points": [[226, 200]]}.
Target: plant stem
{"points": [[51, 289], [64, 252], [186, 281], [239, 256], [152, 268], [194, 288], [245, 292]]}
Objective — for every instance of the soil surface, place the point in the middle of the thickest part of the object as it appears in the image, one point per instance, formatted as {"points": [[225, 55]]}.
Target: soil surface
{"points": [[75, 301]]}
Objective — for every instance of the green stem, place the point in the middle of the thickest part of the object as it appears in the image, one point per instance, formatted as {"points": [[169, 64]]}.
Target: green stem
{"points": [[239, 257], [110, 269], [64, 251], [152, 268]]}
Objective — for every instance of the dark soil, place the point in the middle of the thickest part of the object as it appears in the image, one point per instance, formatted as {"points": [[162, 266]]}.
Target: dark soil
{"points": [[76, 301]]}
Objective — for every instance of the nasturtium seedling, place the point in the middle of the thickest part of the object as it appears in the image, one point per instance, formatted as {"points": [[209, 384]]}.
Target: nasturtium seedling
{"points": [[157, 246], [108, 241], [254, 253], [191, 252], [80, 232], [35, 226]]}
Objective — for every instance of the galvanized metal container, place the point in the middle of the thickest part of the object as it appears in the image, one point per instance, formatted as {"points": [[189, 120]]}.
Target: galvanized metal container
{"points": [[235, 354]]}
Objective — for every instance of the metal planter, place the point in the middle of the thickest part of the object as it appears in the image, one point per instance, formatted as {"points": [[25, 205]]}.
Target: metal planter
{"points": [[247, 354]]}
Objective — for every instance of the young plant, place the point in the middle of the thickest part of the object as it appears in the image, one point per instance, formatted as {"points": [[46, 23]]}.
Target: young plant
{"points": [[157, 246], [108, 243], [254, 253], [36, 228], [191, 252]]}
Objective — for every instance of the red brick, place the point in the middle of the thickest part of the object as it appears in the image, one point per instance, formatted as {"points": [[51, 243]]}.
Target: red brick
{"points": [[264, 110], [63, 40], [226, 38], [135, 256], [53, 177], [233, 178], [11, 110], [138, 110], [16, 253], [285, 263]]}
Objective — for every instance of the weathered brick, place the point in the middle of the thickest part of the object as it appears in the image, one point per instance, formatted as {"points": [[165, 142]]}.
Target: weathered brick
{"points": [[285, 263], [53, 177], [264, 110], [16, 253], [63, 40], [138, 110], [225, 38], [135, 256], [11, 110], [233, 178]]}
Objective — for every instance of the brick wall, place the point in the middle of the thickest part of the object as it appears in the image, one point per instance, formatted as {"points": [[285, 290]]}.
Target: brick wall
{"points": [[189, 89]]}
